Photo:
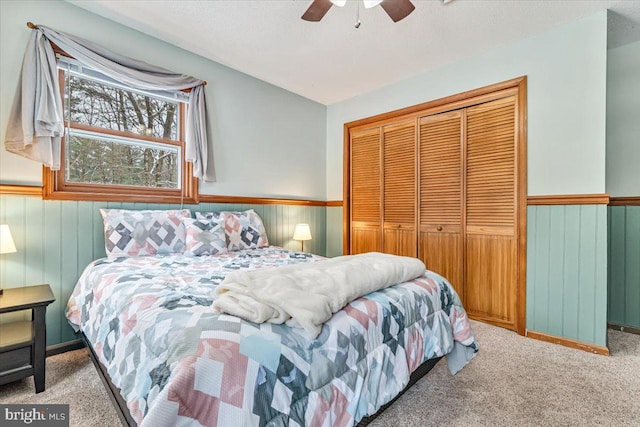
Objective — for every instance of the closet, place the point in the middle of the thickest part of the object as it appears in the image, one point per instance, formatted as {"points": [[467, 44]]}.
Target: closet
{"points": [[446, 185], [366, 193], [399, 188], [490, 223], [441, 196]]}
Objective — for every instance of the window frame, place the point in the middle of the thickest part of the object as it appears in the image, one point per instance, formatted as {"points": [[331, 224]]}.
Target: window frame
{"points": [[55, 187]]}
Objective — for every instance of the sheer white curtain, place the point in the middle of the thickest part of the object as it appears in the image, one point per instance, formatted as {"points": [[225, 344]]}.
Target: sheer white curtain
{"points": [[36, 121]]}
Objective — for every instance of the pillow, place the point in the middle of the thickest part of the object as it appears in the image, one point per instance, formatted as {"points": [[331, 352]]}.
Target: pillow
{"points": [[137, 233], [205, 237], [209, 215], [244, 230]]}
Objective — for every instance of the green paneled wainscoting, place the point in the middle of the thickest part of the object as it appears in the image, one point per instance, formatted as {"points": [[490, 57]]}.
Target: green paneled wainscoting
{"points": [[334, 231], [57, 239], [624, 262], [566, 256], [567, 272]]}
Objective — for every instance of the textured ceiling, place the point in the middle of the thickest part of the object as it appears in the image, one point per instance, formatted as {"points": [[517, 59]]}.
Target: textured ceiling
{"points": [[330, 61]]}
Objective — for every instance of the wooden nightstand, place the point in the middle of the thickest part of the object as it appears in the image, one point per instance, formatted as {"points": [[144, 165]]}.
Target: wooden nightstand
{"points": [[23, 344]]}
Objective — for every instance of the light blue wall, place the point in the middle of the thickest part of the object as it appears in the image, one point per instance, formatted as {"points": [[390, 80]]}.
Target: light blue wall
{"points": [[623, 179], [567, 271], [566, 69], [267, 141], [56, 240], [623, 123]]}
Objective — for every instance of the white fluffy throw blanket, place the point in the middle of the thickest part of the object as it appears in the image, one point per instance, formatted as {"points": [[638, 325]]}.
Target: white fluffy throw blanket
{"points": [[306, 295]]}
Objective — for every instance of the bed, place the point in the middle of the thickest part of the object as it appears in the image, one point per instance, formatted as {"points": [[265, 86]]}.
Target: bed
{"points": [[148, 322]]}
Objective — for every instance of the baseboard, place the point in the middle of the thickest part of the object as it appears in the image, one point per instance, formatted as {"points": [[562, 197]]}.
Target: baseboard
{"points": [[579, 345], [52, 350], [624, 328], [492, 321]]}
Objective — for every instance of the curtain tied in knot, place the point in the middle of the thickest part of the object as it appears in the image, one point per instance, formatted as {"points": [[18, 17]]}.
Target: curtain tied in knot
{"points": [[36, 121]]}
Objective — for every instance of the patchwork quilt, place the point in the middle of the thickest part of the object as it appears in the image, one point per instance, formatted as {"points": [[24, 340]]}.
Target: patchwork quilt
{"points": [[150, 322]]}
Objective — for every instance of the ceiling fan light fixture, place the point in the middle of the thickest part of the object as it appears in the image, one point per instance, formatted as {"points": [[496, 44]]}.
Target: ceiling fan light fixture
{"points": [[368, 4], [396, 9]]}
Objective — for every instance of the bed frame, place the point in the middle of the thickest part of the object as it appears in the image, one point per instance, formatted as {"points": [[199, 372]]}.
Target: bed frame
{"points": [[114, 392], [125, 416]]}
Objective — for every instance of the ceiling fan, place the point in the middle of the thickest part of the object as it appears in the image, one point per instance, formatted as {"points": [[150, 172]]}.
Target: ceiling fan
{"points": [[396, 9]]}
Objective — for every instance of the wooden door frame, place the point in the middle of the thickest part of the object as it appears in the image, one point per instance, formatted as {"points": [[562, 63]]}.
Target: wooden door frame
{"points": [[517, 87]]}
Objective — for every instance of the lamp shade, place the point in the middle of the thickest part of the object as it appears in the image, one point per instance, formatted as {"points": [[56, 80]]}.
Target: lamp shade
{"points": [[302, 232], [6, 240]]}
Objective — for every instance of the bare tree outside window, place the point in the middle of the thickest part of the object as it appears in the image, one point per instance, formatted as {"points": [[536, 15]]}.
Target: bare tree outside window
{"points": [[97, 153]]}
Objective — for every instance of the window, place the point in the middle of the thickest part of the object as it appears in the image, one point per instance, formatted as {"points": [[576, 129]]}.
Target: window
{"points": [[119, 143]]}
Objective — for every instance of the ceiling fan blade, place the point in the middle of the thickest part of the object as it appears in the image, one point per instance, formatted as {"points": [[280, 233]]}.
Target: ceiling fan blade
{"points": [[317, 10], [397, 9]]}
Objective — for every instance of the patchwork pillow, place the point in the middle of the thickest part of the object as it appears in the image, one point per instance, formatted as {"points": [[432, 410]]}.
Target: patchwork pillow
{"points": [[244, 230], [205, 237], [137, 233], [209, 215]]}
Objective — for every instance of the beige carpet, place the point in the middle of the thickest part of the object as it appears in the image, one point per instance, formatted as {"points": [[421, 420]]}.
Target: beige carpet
{"points": [[513, 381], [518, 381], [72, 379]]}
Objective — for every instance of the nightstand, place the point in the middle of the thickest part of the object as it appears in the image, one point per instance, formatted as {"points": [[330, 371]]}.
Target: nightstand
{"points": [[23, 344]]}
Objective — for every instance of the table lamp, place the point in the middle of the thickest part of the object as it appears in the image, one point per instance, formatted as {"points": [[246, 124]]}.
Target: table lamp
{"points": [[302, 233], [6, 243]]}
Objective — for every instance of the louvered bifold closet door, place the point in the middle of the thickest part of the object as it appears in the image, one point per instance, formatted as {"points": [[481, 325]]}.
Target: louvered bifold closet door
{"points": [[399, 183], [491, 235], [440, 243], [366, 194]]}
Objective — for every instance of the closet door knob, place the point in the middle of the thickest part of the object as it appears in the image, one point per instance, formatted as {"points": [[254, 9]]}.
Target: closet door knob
{"points": [[439, 228]]}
